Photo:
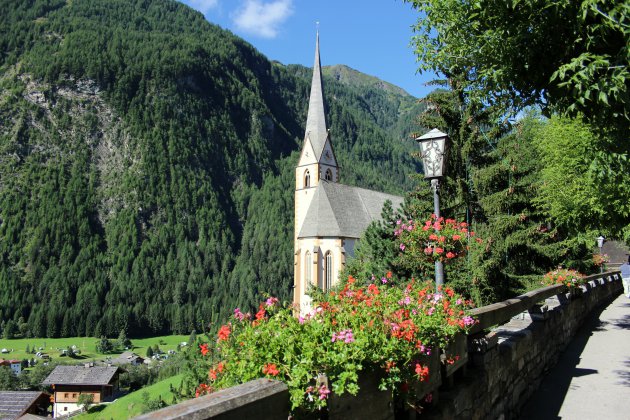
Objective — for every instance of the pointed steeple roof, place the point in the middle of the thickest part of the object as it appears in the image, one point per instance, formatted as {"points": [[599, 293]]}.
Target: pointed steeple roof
{"points": [[316, 129]]}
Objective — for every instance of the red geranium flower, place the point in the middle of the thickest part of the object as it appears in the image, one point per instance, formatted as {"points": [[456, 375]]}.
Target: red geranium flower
{"points": [[270, 369], [204, 349], [422, 372], [224, 332], [203, 389]]}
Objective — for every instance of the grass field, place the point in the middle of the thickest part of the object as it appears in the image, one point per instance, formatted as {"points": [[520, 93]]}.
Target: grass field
{"points": [[86, 344], [132, 404]]}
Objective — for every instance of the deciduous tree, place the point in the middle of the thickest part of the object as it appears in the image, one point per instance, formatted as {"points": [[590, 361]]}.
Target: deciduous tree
{"points": [[564, 55]]}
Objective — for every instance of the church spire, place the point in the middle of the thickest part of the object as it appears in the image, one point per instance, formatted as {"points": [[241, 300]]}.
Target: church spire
{"points": [[316, 122]]}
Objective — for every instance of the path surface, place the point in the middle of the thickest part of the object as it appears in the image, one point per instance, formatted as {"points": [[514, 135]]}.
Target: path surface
{"points": [[592, 378]]}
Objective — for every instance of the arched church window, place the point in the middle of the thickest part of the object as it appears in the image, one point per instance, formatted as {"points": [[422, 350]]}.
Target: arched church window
{"points": [[328, 176], [308, 268], [307, 179], [328, 270]]}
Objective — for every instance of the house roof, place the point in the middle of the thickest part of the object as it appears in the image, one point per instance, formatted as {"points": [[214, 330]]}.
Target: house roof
{"points": [[126, 357], [80, 375], [14, 403], [316, 129], [343, 211]]}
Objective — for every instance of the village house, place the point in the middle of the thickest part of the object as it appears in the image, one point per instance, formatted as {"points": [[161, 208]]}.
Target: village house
{"points": [[69, 382], [15, 404], [15, 365], [127, 358]]}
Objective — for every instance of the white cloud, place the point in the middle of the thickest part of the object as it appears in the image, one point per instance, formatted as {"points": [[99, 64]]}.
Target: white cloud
{"points": [[203, 6], [263, 18]]}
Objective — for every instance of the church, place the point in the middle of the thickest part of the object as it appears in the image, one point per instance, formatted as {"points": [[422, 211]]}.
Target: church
{"points": [[329, 217]]}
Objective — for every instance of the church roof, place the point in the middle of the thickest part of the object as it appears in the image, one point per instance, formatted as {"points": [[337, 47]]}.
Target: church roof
{"points": [[316, 129], [343, 211]]}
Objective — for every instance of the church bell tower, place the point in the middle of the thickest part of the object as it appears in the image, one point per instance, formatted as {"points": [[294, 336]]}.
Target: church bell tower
{"points": [[317, 162]]}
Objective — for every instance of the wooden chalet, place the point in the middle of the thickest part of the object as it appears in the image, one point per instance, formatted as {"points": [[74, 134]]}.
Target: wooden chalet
{"points": [[69, 382]]}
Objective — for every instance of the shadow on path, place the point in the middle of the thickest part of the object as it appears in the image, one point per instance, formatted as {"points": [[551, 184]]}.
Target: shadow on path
{"points": [[546, 402]]}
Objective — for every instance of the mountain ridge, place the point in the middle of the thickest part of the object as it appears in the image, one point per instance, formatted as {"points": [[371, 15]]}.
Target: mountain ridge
{"points": [[146, 167], [349, 76]]}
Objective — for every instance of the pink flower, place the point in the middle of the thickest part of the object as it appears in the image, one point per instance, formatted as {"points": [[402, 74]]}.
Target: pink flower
{"points": [[439, 250], [402, 247], [271, 301], [238, 314], [468, 321], [346, 336], [450, 255], [456, 237], [323, 392], [428, 250]]}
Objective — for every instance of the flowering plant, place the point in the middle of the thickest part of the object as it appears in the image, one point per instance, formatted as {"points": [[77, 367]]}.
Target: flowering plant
{"points": [[600, 259], [379, 326], [435, 239], [568, 277]]}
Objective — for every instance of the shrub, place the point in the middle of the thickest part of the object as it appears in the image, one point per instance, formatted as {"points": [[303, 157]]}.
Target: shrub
{"points": [[385, 325], [421, 244], [86, 400]]}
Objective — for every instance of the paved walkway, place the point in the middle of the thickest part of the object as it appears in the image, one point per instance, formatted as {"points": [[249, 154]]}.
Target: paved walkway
{"points": [[592, 378]]}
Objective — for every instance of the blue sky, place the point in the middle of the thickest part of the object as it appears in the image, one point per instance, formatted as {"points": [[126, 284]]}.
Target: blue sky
{"points": [[371, 36]]}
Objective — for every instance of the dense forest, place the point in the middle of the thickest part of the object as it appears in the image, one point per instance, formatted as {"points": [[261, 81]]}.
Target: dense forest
{"points": [[146, 165]]}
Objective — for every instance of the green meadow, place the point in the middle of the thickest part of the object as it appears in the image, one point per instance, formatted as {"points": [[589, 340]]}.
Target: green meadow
{"points": [[132, 404], [87, 345]]}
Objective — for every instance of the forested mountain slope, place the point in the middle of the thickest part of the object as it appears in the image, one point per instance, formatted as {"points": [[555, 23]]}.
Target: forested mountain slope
{"points": [[146, 166]]}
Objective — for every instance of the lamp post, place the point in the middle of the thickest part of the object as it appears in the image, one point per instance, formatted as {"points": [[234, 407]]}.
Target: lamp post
{"points": [[433, 148], [600, 244]]}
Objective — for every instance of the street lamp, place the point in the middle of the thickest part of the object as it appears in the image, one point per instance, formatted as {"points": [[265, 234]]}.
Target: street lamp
{"points": [[433, 148], [600, 244]]}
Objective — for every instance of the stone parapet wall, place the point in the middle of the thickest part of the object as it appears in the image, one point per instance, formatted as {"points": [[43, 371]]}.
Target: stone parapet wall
{"points": [[507, 364], [503, 367]]}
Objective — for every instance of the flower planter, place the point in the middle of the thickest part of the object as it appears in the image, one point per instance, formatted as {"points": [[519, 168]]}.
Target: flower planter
{"points": [[455, 355], [372, 403], [434, 380], [369, 403]]}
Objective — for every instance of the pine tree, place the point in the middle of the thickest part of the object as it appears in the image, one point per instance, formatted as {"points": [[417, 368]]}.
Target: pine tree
{"points": [[193, 338]]}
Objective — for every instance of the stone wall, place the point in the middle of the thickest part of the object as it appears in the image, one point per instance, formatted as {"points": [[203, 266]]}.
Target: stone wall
{"points": [[501, 371], [507, 365]]}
